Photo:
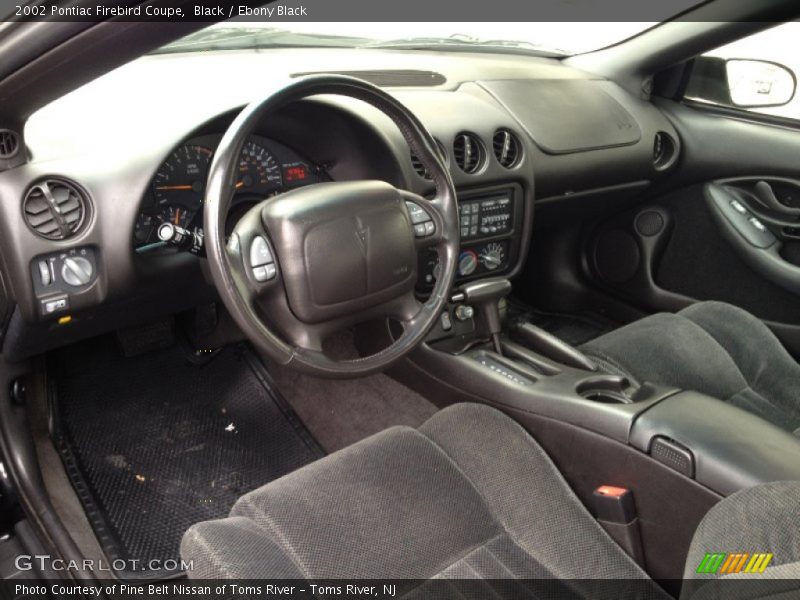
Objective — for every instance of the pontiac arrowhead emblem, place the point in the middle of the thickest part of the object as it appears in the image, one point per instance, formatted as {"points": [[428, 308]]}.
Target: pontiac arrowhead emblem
{"points": [[361, 238]]}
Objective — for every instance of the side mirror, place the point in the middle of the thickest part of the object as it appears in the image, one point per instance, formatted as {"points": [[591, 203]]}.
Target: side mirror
{"points": [[741, 83], [756, 83]]}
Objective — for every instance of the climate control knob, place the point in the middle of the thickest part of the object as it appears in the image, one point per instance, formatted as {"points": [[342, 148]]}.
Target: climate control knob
{"points": [[492, 257], [467, 263]]}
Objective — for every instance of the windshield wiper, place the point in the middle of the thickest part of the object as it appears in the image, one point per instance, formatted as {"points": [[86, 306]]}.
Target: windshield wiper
{"points": [[253, 38]]}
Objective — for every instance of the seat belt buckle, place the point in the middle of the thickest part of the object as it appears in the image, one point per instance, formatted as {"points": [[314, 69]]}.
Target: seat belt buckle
{"points": [[614, 504], [616, 512]]}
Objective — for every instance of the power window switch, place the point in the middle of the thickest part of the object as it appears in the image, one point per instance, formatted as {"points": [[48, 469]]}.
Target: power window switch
{"points": [[55, 304], [738, 207], [758, 224]]}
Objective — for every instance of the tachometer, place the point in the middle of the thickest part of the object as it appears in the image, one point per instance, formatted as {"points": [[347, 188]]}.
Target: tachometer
{"points": [[180, 183], [259, 172]]}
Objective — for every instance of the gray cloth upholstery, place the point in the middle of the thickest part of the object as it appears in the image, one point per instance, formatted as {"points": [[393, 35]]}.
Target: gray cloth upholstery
{"points": [[759, 519], [713, 348], [468, 495]]}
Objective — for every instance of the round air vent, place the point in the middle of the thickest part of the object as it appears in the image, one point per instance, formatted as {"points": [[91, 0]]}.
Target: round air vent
{"points": [[420, 168], [9, 144], [665, 151], [55, 209], [468, 153], [507, 148]]}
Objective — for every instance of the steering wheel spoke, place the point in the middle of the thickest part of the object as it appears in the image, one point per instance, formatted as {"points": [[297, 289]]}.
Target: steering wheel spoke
{"points": [[252, 256], [407, 309]]}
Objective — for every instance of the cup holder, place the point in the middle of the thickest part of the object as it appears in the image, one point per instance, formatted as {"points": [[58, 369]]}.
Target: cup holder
{"points": [[607, 389]]}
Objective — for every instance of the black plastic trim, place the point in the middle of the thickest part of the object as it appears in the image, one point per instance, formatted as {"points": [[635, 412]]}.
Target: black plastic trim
{"points": [[732, 448]]}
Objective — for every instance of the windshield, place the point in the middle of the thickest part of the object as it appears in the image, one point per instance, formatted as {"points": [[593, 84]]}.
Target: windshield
{"points": [[534, 38]]}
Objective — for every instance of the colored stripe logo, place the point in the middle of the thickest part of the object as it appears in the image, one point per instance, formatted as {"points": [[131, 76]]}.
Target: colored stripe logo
{"points": [[722, 563]]}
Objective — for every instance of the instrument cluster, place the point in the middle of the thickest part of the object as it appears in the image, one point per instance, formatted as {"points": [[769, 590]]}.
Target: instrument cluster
{"points": [[177, 190]]}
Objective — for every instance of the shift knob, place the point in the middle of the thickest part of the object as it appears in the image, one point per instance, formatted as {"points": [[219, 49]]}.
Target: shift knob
{"points": [[485, 296]]}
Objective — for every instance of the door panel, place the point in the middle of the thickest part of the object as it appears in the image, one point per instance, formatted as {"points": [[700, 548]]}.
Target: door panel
{"points": [[729, 230]]}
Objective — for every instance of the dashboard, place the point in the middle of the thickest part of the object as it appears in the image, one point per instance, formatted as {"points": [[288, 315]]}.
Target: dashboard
{"points": [[96, 264], [175, 194]]}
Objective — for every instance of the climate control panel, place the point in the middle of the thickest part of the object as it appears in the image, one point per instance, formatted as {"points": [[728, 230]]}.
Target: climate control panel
{"points": [[478, 259], [490, 228]]}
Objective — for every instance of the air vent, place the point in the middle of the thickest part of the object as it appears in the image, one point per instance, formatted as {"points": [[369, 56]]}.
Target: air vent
{"points": [[9, 144], [468, 153], [420, 168], [665, 151], [507, 148], [55, 209]]}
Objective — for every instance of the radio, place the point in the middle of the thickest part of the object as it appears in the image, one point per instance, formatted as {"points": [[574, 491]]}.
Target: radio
{"points": [[486, 216]]}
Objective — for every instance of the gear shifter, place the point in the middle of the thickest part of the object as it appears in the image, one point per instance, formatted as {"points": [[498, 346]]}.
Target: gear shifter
{"points": [[485, 296]]}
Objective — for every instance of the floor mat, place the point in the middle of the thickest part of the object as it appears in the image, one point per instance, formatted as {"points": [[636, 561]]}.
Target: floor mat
{"points": [[342, 412], [575, 329], [156, 443]]}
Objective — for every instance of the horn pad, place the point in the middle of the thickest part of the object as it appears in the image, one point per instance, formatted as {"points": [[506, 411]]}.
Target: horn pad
{"points": [[342, 247]]}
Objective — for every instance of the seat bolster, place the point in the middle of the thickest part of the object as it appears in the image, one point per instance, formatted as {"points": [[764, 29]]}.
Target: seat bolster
{"points": [[527, 494], [770, 371], [209, 546]]}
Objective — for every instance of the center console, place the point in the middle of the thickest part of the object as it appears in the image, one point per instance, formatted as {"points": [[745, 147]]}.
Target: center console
{"points": [[484, 356]]}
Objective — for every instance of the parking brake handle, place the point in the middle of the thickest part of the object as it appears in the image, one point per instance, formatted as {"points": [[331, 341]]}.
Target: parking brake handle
{"points": [[546, 344]]}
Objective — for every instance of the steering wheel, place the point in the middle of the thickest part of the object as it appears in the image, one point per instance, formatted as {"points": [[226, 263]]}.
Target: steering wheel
{"points": [[317, 259]]}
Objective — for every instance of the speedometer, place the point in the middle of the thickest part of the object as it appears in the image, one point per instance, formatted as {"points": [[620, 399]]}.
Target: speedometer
{"points": [[259, 172], [180, 183]]}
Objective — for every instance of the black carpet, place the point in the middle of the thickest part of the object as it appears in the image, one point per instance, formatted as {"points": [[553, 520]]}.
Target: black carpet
{"points": [[156, 443]]}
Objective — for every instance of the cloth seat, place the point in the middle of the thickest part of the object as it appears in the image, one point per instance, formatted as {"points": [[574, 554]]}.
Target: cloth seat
{"points": [[468, 496], [713, 348]]}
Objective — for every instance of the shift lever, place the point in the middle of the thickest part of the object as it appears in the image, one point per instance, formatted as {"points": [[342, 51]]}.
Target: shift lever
{"points": [[485, 296]]}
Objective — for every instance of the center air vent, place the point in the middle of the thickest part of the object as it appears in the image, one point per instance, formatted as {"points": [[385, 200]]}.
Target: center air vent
{"points": [[468, 153], [506, 148], [9, 144], [420, 168], [55, 209]]}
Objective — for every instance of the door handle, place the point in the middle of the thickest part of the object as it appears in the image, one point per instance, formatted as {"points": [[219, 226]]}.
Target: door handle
{"points": [[767, 197]]}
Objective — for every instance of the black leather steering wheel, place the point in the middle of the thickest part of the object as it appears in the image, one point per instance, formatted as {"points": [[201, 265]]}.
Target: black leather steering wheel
{"points": [[318, 259]]}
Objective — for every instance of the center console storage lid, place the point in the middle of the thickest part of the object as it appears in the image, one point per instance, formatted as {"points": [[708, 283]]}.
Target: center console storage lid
{"points": [[731, 449]]}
